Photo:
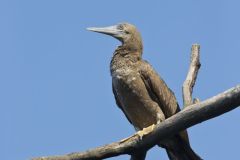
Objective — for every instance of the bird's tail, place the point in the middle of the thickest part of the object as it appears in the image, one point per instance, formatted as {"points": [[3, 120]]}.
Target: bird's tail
{"points": [[179, 149]]}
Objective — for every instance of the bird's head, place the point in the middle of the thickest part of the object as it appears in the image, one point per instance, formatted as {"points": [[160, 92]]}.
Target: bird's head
{"points": [[124, 32]]}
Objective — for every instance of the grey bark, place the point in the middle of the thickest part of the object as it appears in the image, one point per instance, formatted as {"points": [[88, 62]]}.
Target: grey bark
{"points": [[189, 83]]}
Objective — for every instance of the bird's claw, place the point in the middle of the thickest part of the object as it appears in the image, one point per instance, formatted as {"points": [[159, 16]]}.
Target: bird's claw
{"points": [[146, 131]]}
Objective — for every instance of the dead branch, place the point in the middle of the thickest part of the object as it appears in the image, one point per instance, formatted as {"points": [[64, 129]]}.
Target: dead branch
{"points": [[186, 118], [189, 83]]}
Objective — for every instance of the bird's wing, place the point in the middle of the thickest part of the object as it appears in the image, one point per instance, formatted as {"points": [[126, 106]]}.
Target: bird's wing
{"points": [[158, 90], [160, 93], [119, 103]]}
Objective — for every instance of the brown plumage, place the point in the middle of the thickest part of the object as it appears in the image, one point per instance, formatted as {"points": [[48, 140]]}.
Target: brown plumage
{"points": [[140, 92]]}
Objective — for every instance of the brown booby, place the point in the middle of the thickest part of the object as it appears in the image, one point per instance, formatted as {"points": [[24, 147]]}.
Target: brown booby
{"points": [[140, 92]]}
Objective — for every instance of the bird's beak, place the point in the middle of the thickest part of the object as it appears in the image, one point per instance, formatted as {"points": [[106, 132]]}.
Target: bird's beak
{"points": [[111, 30]]}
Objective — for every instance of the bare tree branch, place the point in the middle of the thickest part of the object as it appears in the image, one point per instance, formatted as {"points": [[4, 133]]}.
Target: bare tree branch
{"points": [[189, 83], [188, 117]]}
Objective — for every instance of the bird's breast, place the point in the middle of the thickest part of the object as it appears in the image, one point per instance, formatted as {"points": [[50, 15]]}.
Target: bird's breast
{"points": [[134, 97], [125, 73]]}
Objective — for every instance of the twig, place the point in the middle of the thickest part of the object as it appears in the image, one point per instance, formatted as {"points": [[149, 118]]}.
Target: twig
{"points": [[188, 117], [189, 83]]}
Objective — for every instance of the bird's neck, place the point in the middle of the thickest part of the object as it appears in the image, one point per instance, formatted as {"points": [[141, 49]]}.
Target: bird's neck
{"points": [[127, 52], [123, 58]]}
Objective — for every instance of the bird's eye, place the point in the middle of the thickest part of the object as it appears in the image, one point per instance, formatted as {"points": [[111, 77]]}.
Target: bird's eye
{"points": [[120, 27]]}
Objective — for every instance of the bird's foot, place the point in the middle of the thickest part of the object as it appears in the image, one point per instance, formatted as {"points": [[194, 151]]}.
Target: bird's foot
{"points": [[146, 131]]}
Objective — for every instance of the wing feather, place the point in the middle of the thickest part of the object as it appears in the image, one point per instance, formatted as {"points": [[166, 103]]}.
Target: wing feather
{"points": [[158, 90], [160, 93]]}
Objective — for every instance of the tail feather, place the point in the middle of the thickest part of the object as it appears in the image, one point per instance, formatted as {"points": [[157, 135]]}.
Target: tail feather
{"points": [[139, 155], [183, 153], [179, 149]]}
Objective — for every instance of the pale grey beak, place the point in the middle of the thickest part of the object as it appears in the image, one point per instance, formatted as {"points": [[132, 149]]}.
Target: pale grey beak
{"points": [[111, 30]]}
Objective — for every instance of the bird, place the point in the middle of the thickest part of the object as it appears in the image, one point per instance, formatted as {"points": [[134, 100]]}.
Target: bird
{"points": [[140, 92]]}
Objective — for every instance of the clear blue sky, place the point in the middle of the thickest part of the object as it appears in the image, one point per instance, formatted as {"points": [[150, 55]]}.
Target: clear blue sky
{"points": [[55, 85]]}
